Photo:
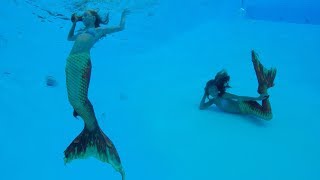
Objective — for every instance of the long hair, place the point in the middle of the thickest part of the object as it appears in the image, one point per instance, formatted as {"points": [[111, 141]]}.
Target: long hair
{"points": [[221, 81], [98, 18]]}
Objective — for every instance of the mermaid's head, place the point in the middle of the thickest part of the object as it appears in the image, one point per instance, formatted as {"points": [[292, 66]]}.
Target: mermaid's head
{"points": [[92, 16], [218, 85]]}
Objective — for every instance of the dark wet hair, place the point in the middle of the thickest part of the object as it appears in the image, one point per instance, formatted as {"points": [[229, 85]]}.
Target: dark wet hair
{"points": [[221, 81], [98, 18]]}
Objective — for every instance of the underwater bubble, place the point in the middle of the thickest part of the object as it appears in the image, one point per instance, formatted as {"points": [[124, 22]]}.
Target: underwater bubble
{"points": [[50, 81]]}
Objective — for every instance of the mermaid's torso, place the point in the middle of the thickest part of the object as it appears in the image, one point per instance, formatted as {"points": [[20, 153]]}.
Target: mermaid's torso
{"points": [[84, 41], [227, 105]]}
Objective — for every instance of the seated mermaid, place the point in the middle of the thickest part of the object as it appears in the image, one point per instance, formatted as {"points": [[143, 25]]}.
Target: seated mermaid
{"points": [[215, 92]]}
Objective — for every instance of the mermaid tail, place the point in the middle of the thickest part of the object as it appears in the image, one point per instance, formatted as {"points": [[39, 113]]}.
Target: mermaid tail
{"points": [[94, 144], [91, 141], [265, 77], [255, 109]]}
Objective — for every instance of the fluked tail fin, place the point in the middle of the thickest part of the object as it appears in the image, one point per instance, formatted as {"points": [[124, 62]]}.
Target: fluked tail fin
{"points": [[265, 77], [94, 144]]}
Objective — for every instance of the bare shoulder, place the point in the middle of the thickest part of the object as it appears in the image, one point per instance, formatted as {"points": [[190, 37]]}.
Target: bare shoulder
{"points": [[100, 31]]}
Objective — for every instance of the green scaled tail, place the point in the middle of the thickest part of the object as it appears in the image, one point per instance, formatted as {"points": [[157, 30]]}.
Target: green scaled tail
{"points": [[265, 77], [96, 144]]}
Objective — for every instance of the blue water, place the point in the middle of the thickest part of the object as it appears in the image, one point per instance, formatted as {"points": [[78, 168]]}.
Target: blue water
{"points": [[146, 85], [296, 11]]}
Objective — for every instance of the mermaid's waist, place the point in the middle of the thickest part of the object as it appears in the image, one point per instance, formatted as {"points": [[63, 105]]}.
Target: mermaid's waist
{"points": [[80, 57]]}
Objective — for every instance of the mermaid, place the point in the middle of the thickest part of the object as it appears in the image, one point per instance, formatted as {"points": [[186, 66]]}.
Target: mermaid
{"points": [[215, 92], [92, 141]]}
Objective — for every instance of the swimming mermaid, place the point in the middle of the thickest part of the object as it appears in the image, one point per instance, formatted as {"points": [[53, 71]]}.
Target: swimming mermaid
{"points": [[91, 141], [215, 92]]}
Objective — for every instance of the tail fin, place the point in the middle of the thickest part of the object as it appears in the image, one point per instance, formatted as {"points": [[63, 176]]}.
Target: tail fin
{"points": [[265, 77], [94, 143]]}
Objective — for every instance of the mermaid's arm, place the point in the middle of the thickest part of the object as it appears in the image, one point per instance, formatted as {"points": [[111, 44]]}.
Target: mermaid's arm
{"points": [[120, 27], [244, 98], [205, 105], [71, 36]]}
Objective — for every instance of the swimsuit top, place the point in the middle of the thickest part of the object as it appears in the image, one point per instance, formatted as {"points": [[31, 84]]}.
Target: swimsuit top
{"points": [[91, 31]]}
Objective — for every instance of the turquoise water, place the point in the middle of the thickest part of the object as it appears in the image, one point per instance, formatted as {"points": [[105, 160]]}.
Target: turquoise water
{"points": [[146, 85]]}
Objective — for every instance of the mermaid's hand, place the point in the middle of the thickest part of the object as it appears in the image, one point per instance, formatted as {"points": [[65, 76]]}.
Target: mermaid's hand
{"points": [[263, 97], [75, 18]]}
